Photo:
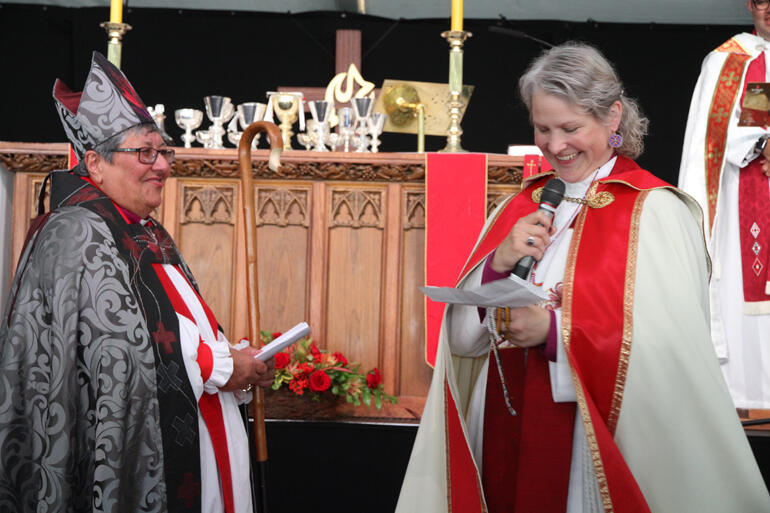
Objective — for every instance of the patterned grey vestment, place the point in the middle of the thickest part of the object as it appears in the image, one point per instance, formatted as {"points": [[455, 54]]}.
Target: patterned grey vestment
{"points": [[79, 427]]}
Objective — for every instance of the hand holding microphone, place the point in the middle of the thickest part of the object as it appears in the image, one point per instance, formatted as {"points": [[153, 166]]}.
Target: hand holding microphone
{"points": [[529, 236], [553, 192]]}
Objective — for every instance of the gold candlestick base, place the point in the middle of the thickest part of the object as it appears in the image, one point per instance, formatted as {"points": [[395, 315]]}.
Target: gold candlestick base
{"points": [[456, 39], [115, 32]]}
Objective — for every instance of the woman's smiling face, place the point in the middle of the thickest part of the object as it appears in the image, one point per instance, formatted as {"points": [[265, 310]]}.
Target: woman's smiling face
{"points": [[573, 141]]}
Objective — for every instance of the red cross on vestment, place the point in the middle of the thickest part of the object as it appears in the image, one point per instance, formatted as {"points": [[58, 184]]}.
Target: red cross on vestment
{"points": [[189, 490], [164, 337]]}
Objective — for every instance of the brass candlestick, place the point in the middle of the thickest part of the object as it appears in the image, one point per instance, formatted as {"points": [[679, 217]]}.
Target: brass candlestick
{"points": [[456, 39], [115, 33]]}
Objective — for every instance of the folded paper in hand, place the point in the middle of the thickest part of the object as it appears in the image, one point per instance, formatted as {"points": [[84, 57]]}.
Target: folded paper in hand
{"points": [[511, 292], [284, 341]]}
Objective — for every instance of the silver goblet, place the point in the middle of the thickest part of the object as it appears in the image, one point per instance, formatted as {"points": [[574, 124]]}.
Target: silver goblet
{"points": [[247, 113], [320, 111], [219, 110], [189, 120], [308, 137], [376, 122], [345, 127], [362, 107]]}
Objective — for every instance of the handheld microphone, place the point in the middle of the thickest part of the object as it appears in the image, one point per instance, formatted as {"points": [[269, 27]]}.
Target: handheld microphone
{"points": [[553, 192]]}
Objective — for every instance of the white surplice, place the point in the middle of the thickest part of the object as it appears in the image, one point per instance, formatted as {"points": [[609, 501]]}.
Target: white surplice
{"points": [[192, 331], [742, 340]]}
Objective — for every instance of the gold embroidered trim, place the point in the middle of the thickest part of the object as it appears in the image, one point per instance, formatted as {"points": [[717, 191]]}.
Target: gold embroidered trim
{"points": [[628, 313], [720, 109], [447, 463], [566, 324], [731, 46], [592, 198], [593, 445]]}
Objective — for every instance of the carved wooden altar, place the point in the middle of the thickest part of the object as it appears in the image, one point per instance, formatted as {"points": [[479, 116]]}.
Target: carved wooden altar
{"points": [[341, 245]]}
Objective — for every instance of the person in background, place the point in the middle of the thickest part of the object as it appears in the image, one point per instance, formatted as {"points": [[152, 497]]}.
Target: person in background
{"points": [[607, 396], [118, 390], [725, 167]]}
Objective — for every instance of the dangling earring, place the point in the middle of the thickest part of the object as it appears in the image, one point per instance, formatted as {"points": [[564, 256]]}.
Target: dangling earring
{"points": [[615, 140]]}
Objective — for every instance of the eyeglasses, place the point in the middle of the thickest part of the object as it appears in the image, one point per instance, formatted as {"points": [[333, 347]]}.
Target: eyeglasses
{"points": [[149, 155], [760, 4]]}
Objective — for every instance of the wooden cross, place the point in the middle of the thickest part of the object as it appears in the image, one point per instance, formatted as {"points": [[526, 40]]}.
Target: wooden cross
{"points": [[347, 52]]}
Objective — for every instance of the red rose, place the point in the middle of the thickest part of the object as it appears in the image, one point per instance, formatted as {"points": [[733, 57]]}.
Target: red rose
{"points": [[315, 351], [374, 378], [306, 368], [276, 334], [340, 358], [281, 360], [319, 381]]}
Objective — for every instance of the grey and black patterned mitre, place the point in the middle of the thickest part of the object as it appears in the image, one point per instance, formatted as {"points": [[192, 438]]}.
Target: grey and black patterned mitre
{"points": [[107, 106]]}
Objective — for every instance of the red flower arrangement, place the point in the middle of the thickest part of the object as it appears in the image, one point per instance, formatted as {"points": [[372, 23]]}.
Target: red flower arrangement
{"points": [[309, 370]]}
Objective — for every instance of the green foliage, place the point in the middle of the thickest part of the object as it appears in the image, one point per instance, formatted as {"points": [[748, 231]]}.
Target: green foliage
{"points": [[298, 368]]}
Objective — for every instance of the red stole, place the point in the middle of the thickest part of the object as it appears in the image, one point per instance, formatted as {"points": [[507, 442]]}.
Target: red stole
{"points": [[754, 217], [602, 252], [209, 404]]}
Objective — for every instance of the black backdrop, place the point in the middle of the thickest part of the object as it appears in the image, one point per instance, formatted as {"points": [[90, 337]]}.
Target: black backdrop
{"points": [[176, 57]]}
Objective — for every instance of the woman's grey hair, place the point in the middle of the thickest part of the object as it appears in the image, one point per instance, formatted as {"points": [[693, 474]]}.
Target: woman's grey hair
{"points": [[580, 74], [106, 148]]}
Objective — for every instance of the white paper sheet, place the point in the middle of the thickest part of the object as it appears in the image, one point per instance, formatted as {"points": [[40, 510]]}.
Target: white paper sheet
{"points": [[511, 292], [284, 341]]}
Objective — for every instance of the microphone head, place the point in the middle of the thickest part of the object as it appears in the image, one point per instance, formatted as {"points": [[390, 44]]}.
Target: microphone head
{"points": [[553, 192]]}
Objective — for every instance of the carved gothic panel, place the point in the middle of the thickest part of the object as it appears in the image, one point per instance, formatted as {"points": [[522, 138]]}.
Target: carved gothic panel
{"points": [[283, 207], [494, 199], [414, 209], [356, 208], [208, 205]]}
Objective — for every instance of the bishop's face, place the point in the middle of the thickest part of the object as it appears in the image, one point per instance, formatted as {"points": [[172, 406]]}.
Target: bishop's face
{"points": [[130, 183]]}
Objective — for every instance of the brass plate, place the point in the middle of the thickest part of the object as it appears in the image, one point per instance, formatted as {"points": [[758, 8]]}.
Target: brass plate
{"points": [[434, 96]]}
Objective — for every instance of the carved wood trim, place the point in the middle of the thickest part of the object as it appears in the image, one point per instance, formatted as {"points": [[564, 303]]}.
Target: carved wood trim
{"points": [[215, 204], [297, 165], [33, 162], [343, 171], [356, 208], [504, 175], [283, 206], [414, 210]]}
